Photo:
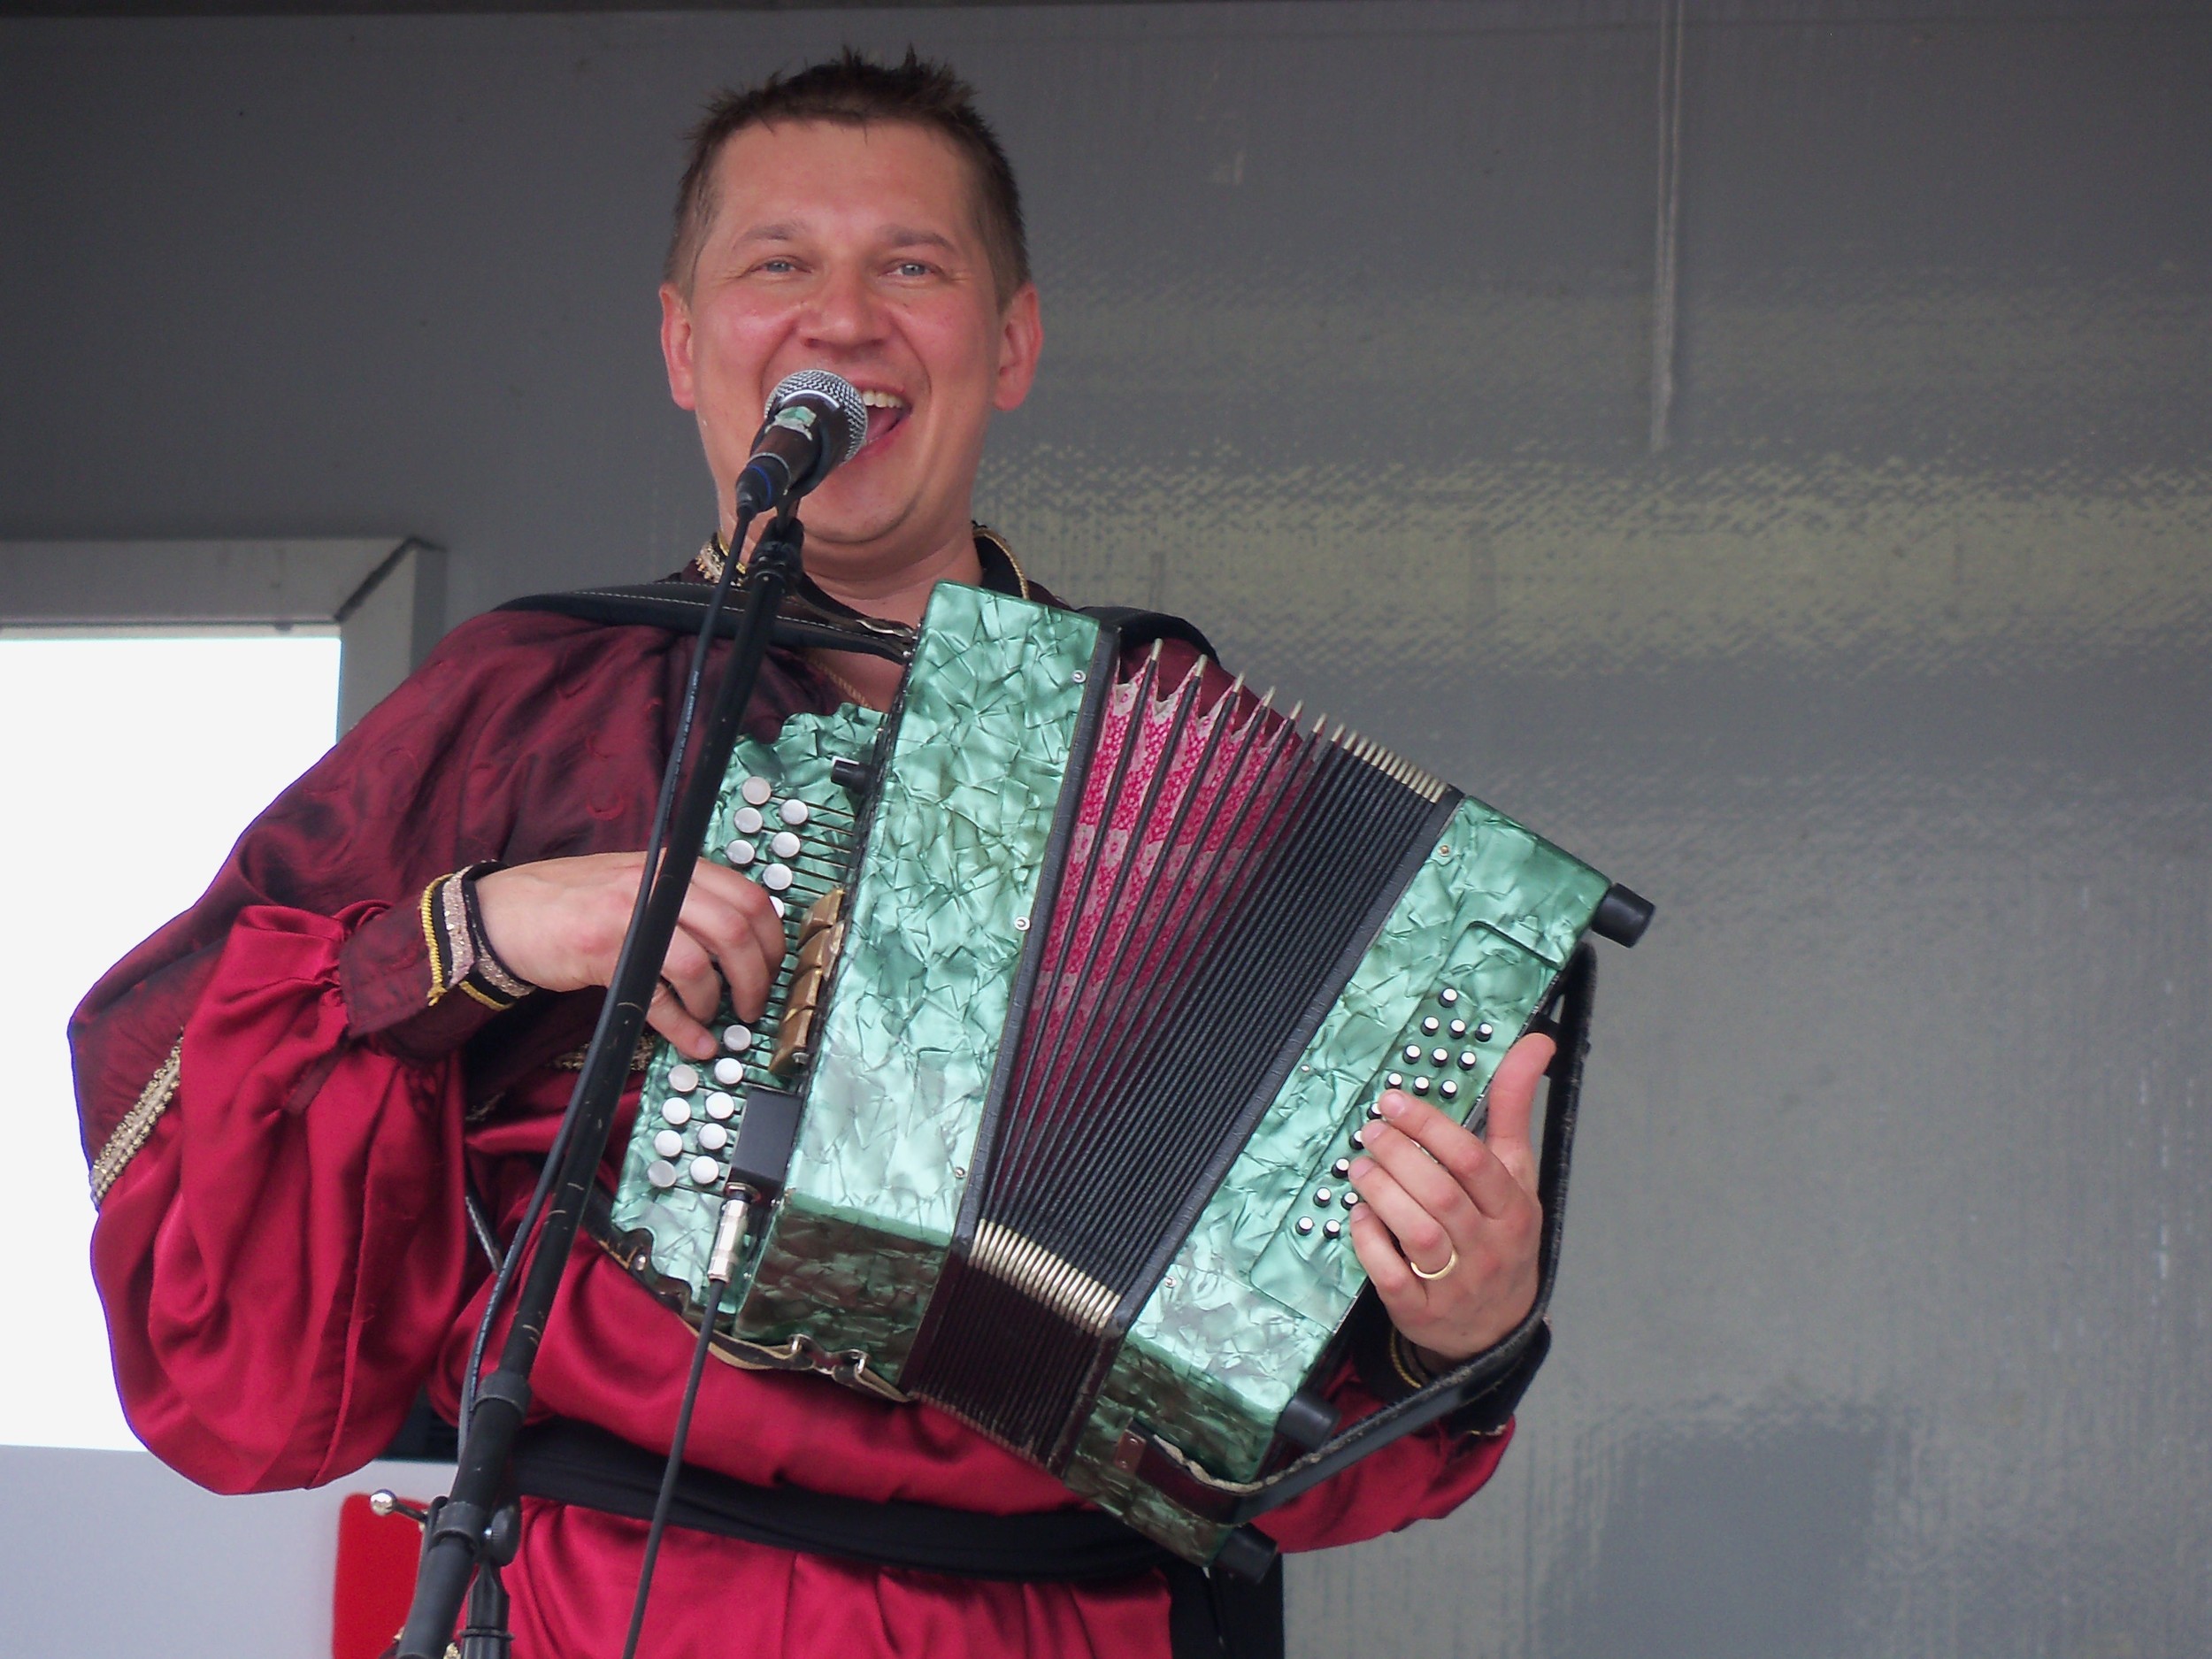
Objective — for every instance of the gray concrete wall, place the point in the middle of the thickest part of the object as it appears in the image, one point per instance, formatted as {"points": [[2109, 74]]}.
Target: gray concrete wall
{"points": [[1883, 1328]]}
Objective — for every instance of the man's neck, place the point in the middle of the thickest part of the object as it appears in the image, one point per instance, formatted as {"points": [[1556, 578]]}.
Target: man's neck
{"points": [[896, 590], [893, 588]]}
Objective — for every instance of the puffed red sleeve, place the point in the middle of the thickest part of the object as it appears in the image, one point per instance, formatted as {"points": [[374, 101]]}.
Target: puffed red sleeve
{"points": [[283, 1256], [273, 1086]]}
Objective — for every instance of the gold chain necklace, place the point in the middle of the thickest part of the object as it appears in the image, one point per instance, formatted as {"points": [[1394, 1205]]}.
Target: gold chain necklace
{"points": [[815, 662]]}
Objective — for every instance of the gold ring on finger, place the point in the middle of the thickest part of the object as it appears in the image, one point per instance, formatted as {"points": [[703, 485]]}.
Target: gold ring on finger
{"points": [[1422, 1272]]}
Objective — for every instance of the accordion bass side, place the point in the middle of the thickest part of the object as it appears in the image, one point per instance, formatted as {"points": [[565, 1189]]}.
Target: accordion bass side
{"points": [[1097, 966]]}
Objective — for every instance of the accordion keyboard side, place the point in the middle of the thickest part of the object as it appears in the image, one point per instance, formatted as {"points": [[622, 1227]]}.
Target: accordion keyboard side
{"points": [[1263, 1282], [664, 1214]]}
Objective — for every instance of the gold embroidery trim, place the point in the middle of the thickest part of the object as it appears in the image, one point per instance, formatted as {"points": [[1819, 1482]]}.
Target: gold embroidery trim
{"points": [[983, 533], [1412, 1370], [137, 1125], [430, 943]]}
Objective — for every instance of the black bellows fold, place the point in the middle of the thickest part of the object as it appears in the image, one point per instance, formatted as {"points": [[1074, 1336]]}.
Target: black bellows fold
{"points": [[1224, 873]]}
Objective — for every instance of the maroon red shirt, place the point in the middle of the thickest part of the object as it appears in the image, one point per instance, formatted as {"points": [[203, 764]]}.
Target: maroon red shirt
{"points": [[285, 1257]]}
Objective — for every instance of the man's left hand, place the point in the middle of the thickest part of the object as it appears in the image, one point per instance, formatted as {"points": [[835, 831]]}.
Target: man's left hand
{"points": [[1463, 1206]]}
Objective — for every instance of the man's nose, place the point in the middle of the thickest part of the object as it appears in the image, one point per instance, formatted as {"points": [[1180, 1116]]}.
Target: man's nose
{"points": [[845, 310]]}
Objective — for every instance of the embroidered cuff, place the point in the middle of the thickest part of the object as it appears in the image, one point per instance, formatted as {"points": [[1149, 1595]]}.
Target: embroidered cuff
{"points": [[461, 957], [1392, 1368]]}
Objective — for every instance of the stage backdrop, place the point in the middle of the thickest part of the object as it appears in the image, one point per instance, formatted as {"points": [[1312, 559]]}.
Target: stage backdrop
{"points": [[1779, 470]]}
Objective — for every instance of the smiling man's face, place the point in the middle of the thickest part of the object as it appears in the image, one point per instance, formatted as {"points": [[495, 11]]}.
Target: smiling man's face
{"points": [[857, 249]]}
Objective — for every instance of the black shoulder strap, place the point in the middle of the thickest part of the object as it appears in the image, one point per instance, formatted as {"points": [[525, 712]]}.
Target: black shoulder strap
{"points": [[680, 607], [808, 618], [1139, 626]]}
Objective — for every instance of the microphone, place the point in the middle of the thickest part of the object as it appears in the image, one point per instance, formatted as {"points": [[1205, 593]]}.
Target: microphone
{"points": [[814, 421]]}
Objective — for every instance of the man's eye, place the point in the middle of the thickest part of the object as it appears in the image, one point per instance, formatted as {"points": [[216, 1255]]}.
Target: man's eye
{"points": [[776, 267], [911, 268]]}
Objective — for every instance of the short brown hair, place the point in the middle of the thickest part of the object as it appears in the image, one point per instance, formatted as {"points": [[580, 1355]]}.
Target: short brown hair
{"points": [[851, 90]]}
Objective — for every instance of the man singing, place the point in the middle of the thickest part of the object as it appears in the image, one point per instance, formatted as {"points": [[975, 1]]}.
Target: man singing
{"points": [[378, 1004]]}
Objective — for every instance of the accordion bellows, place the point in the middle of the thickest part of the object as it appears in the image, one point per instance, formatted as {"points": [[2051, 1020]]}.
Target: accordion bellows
{"points": [[1124, 958]]}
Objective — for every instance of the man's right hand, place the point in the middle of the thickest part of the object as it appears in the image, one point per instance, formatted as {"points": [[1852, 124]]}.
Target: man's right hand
{"points": [[559, 925]]}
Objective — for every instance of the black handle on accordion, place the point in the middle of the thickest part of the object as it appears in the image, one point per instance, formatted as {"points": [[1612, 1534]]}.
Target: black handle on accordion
{"points": [[1235, 1502]]}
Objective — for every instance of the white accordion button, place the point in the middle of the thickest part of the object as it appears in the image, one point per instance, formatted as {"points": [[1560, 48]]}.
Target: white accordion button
{"points": [[720, 1106], [756, 791], [683, 1078], [795, 813], [669, 1143], [776, 877], [703, 1172], [746, 820], [737, 1039], [728, 1072], [677, 1112], [740, 852], [786, 845], [713, 1137], [661, 1173]]}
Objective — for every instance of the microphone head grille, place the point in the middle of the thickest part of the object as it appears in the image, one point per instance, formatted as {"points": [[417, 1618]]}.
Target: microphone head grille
{"points": [[832, 389]]}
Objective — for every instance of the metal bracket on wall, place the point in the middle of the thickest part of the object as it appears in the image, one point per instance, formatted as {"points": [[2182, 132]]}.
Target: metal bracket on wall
{"points": [[384, 594]]}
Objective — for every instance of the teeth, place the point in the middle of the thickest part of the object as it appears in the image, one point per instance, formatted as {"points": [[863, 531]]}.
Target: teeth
{"points": [[883, 400]]}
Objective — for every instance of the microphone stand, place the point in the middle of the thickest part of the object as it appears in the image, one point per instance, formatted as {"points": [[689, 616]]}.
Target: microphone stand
{"points": [[468, 1531]]}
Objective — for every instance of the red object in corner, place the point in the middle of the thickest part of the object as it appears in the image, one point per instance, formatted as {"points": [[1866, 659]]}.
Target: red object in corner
{"points": [[376, 1578]]}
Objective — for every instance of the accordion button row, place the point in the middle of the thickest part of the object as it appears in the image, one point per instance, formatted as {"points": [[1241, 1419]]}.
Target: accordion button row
{"points": [[670, 1142], [664, 1174]]}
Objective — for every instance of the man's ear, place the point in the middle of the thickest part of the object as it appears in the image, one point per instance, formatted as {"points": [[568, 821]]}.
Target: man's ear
{"points": [[1021, 342], [676, 346]]}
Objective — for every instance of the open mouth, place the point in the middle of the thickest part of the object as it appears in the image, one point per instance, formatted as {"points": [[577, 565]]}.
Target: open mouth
{"points": [[887, 413]]}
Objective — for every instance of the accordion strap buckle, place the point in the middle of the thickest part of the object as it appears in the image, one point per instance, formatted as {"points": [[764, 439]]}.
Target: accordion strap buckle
{"points": [[854, 1367]]}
